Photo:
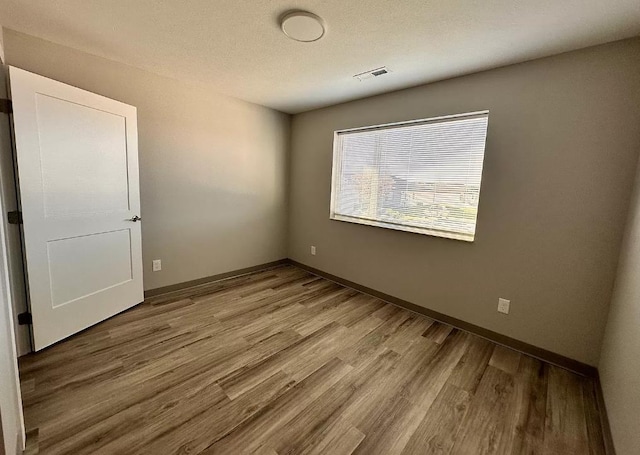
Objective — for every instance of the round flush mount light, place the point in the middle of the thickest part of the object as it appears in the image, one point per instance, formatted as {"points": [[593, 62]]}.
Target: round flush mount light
{"points": [[302, 26]]}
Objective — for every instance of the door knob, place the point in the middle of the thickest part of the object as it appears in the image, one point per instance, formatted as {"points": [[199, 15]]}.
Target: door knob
{"points": [[135, 218]]}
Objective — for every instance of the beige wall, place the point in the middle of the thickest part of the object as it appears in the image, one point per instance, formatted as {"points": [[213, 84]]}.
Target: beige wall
{"points": [[212, 168], [620, 361], [562, 147], [561, 152]]}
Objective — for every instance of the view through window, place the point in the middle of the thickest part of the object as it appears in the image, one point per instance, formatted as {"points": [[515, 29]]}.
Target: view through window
{"points": [[420, 176]]}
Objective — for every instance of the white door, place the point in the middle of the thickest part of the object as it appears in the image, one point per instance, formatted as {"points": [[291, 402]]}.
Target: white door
{"points": [[77, 159]]}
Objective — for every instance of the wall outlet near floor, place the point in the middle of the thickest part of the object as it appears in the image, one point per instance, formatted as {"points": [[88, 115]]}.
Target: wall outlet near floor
{"points": [[157, 265], [313, 250], [503, 306]]}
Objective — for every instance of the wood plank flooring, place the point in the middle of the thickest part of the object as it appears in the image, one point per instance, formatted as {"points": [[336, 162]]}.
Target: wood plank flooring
{"points": [[283, 362]]}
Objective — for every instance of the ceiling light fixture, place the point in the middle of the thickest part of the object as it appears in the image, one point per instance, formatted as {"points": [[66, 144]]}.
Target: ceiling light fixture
{"points": [[302, 26]]}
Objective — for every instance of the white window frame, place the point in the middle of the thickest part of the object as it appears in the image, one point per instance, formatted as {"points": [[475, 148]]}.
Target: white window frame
{"points": [[336, 173]]}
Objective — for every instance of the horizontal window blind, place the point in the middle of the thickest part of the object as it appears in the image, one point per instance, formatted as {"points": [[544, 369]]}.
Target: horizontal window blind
{"points": [[420, 176]]}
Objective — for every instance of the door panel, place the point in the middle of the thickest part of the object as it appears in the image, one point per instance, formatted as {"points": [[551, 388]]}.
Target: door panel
{"points": [[77, 159], [83, 152], [81, 266]]}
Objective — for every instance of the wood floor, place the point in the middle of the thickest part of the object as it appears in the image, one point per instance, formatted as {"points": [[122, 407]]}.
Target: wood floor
{"points": [[283, 362]]}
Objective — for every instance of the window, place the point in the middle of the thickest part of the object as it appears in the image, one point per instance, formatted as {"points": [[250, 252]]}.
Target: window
{"points": [[420, 176]]}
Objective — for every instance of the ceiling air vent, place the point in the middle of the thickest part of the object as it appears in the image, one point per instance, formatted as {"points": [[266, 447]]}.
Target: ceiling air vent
{"points": [[372, 73]]}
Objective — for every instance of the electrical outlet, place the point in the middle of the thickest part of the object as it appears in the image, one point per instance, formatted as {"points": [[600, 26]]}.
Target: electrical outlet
{"points": [[503, 306], [313, 250], [157, 265]]}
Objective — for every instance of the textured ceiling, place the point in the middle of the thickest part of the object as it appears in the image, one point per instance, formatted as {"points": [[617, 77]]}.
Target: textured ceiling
{"points": [[237, 48]]}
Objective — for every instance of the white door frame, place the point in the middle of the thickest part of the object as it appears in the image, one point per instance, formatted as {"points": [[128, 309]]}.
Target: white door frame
{"points": [[12, 418], [10, 396], [9, 195]]}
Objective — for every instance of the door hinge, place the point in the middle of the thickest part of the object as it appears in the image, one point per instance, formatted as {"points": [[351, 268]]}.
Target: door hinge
{"points": [[25, 318], [14, 217], [6, 106]]}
